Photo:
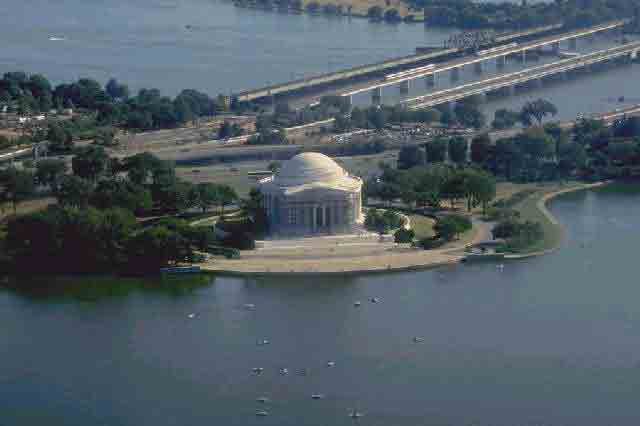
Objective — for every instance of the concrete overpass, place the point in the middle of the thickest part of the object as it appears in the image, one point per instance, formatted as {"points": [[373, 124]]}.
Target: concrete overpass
{"points": [[499, 54], [362, 71], [493, 84]]}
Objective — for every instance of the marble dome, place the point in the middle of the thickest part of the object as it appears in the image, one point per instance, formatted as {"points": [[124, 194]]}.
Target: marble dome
{"points": [[308, 167]]}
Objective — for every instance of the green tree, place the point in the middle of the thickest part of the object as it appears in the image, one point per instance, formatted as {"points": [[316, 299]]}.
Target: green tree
{"points": [[73, 191], [16, 186], [404, 236], [50, 171], [468, 114], [89, 162], [480, 148], [226, 196], [60, 139], [411, 156], [208, 195], [116, 90], [450, 226], [436, 150], [538, 110], [505, 119], [458, 150]]}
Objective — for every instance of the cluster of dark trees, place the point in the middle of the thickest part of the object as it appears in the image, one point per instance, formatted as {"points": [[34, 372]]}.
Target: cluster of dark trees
{"points": [[430, 185], [96, 224], [112, 104], [573, 13], [436, 151], [530, 113], [383, 221], [377, 117], [518, 234], [591, 151]]}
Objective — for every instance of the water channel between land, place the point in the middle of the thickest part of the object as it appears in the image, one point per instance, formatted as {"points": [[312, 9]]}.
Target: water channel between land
{"points": [[550, 340]]}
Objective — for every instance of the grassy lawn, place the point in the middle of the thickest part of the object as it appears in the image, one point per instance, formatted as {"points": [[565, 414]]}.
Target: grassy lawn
{"points": [[422, 225], [25, 207]]}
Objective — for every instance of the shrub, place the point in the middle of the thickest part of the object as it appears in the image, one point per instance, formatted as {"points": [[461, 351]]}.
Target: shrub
{"points": [[450, 226], [403, 236]]}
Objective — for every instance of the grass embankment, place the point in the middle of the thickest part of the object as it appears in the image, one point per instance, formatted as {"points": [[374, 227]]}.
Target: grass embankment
{"points": [[532, 207]]}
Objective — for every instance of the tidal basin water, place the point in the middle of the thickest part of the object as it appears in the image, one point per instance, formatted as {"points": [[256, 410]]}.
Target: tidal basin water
{"points": [[551, 340]]}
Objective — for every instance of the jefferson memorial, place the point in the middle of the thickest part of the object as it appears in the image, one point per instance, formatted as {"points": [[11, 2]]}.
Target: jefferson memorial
{"points": [[311, 194]]}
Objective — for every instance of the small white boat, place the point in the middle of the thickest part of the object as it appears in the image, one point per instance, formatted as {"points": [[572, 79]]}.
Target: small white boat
{"points": [[191, 316], [357, 303], [262, 413], [54, 38], [263, 399], [258, 370], [331, 364], [303, 372], [317, 396], [418, 339], [374, 300], [263, 342], [249, 306], [284, 371]]}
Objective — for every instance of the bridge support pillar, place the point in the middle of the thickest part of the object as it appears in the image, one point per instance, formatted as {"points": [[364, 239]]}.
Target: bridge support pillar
{"points": [[524, 56], [633, 55], [376, 96], [501, 61], [455, 74], [404, 87], [348, 100], [555, 47], [430, 80], [573, 43], [478, 67]]}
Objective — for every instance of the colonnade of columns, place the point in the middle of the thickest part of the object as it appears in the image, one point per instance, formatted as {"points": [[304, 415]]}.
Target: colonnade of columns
{"points": [[312, 216]]}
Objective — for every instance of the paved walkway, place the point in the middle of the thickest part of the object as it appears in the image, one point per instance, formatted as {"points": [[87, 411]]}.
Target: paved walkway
{"points": [[344, 254]]}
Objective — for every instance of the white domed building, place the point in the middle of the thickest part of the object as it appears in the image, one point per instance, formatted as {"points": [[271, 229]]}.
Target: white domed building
{"points": [[311, 194]]}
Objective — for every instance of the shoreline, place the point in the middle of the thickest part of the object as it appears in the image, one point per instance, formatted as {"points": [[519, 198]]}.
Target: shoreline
{"points": [[541, 206], [390, 262]]}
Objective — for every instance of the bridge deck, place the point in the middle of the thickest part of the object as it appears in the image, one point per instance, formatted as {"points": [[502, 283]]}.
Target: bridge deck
{"points": [[470, 60], [505, 80]]}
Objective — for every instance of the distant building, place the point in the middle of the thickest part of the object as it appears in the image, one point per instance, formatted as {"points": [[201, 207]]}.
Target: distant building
{"points": [[310, 195]]}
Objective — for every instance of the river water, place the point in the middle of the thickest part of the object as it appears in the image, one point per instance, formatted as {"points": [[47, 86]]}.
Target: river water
{"points": [[551, 340], [146, 43]]}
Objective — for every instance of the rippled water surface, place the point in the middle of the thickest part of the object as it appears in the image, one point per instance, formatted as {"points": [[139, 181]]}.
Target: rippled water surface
{"points": [[551, 340]]}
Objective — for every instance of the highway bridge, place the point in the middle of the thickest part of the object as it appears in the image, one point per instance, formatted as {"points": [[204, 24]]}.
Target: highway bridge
{"points": [[499, 53], [389, 65], [493, 84]]}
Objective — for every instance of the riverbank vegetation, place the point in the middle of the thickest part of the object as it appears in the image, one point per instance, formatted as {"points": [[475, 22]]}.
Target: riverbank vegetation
{"points": [[467, 14], [510, 15], [84, 109], [110, 215]]}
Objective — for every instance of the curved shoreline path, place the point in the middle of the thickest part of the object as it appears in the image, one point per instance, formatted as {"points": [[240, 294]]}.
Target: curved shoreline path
{"points": [[553, 241], [366, 254]]}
